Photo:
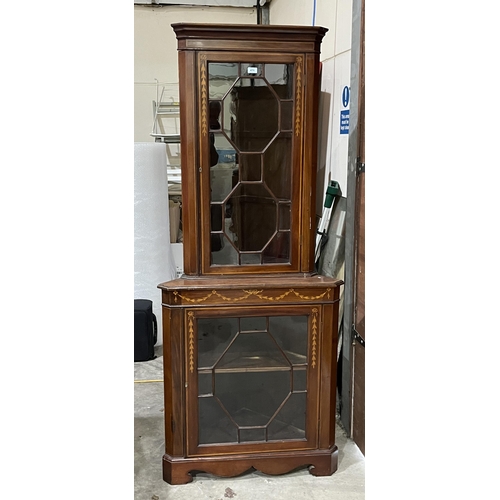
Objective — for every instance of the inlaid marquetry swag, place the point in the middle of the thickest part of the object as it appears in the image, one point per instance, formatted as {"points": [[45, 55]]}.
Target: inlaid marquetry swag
{"points": [[244, 296], [250, 331]]}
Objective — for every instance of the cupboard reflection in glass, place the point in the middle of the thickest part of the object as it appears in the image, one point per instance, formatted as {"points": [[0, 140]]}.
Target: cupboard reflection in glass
{"points": [[251, 108]]}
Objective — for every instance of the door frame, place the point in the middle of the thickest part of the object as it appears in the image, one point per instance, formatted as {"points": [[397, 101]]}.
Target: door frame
{"points": [[311, 441], [355, 161]]}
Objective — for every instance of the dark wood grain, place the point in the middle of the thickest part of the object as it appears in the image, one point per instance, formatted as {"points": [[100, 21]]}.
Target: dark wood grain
{"points": [[189, 157], [181, 470], [297, 45], [223, 37]]}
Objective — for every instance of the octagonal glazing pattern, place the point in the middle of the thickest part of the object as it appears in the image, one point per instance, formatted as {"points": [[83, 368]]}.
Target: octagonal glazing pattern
{"points": [[251, 109], [252, 378], [252, 234], [250, 128]]}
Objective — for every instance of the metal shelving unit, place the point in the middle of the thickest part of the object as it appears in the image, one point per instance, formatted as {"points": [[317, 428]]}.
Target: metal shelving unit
{"points": [[166, 106]]}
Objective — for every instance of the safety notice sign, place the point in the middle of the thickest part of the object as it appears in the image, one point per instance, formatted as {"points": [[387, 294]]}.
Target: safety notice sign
{"points": [[344, 113]]}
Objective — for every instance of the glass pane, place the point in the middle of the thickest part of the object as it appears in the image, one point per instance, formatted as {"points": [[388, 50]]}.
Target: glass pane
{"points": [[259, 82], [251, 121], [251, 352], [278, 250], [224, 174], [215, 108], [225, 151], [284, 214], [204, 383], [221, 77], [223, 252], [251, 69], [280, 76], [254, 216], [214, 335], [290, 333], [251, 167], [299, 379], [214, 425], [252, 398], [290, 423], [252, 393], [216, 217], [258, 434], [253, 324], [278, 166], [286, 115], [250, 115], [250, 258]]}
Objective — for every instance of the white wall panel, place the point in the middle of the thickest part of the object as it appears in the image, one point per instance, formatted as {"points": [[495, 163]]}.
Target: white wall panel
{"points": [[155, 51], [333, 146], [343, 26], [296, 12], [339, 142]]}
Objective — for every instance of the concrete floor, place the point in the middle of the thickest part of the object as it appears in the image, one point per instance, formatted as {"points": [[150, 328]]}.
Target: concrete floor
{"points": [[347, 483]]}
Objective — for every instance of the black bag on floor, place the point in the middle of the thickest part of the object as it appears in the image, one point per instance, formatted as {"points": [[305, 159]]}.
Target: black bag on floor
{"points": [[145, 330]]}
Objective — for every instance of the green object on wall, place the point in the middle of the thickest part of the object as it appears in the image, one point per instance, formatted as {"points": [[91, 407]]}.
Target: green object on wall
{"points": [[332, 191]]}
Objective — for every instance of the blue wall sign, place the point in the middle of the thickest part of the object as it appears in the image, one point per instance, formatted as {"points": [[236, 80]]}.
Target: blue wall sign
{"points": [[344, 121], [344, 114], [345, 96]]}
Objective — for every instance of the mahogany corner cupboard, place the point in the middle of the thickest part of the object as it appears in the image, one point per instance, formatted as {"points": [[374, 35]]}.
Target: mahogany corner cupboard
{"points": [[250, 329]]}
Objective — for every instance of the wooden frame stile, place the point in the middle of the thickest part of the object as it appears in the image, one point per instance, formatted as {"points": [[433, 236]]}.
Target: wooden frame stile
{"points": [[191, 379], [189, 158], [167, 382], [329, 376], [310, 154], [298, 158], [204, 155], [174, 391]]}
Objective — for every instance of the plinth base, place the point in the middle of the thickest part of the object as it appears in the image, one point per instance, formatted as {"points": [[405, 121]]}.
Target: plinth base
{"points": [[180, 470]]}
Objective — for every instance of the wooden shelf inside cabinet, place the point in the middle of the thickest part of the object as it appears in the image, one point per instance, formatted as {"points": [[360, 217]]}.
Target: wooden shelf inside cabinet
{"points": [[249, 331], [256, 360]]}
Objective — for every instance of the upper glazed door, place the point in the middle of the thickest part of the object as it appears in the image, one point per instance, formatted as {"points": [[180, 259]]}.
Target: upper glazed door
{"points": [[250, 123]]}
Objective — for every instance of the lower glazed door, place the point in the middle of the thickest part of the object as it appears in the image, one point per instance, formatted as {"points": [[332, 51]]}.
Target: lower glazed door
{"points": [[252, 379]]}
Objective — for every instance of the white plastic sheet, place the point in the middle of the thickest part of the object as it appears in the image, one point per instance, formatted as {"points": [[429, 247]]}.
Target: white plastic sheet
{"points": [[153, 257]]}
